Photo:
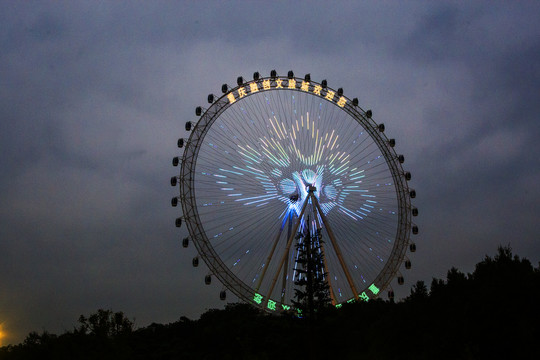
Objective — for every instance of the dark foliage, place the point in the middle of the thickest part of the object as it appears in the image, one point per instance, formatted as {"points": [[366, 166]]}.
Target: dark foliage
{"points": [[104, 335], [492, 313]]}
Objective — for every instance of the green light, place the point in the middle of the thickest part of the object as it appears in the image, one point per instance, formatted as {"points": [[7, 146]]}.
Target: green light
{"points": [[350, 301], [364, 297], [338, 306], [374, 289], [271, 305], [285, 307], [258, 298]]}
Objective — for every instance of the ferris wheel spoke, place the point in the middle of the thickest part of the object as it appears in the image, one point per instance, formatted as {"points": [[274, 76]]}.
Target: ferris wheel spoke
{"points": [[287, 248], [269, 258], [336, 248], [286, 265]]}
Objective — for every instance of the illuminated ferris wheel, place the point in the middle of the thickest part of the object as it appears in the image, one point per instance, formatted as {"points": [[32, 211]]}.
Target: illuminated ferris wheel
{"points": [[280, 156]]}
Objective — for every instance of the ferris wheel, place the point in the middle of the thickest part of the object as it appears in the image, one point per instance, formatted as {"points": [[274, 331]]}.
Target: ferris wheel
{"points": [[279, 156]]}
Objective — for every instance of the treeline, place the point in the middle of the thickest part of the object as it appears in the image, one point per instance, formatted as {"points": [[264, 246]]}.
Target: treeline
{"points": [[493, 313]]}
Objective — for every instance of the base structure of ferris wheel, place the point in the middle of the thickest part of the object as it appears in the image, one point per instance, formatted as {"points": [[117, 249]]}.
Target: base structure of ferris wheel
{"points": [[318, 213]]}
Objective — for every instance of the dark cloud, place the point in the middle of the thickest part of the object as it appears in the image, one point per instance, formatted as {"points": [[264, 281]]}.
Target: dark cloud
{"points": [[94, 96]]}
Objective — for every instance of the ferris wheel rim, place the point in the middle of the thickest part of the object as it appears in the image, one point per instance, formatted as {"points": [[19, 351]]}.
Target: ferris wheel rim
{"points": [[189, 161]]}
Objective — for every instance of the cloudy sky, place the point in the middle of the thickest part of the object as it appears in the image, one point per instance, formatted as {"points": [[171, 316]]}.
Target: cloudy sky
{"points": [[94, 95]]}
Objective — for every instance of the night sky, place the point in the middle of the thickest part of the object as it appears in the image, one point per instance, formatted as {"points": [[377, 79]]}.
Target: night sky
{"points": [[94, 95]]}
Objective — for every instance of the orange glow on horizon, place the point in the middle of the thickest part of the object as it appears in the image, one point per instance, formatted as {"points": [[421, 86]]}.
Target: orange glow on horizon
{"points": [[2, 335]]}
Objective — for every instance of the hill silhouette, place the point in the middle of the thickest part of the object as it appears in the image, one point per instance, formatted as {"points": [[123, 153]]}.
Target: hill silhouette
{"points": [[492, 313]]}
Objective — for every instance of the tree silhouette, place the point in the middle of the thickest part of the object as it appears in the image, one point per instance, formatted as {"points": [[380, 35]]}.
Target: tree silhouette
{"points": [[105, 324], [419, 291]]}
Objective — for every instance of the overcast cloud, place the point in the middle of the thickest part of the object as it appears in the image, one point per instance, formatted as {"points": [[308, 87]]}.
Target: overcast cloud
{"points": [[94, 95]]}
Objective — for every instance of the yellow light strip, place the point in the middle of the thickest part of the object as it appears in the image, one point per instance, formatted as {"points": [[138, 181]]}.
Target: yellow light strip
{"points": [[334, 142], [279, 127], [316, 141], [321, 150], [330, 140], [254, 150], [283, 125], [271, 122]]}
